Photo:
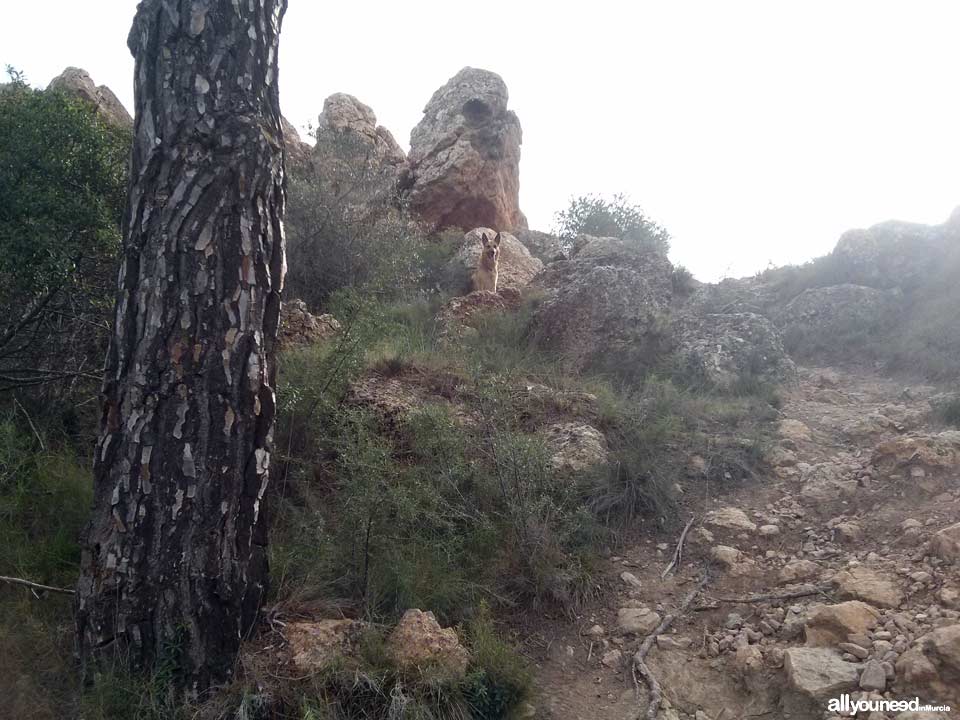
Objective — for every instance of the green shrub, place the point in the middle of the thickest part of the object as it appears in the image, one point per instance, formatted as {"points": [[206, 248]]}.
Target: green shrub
{"points": [[345, 228], [683, 282], [617, 217], [63, 182], [950, 412]]}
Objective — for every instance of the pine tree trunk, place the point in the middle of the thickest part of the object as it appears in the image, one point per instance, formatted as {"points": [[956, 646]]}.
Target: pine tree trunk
{"points": [[174, 566]]}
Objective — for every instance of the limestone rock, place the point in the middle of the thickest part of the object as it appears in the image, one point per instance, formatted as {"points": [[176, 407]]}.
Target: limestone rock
{"points": [[543, 246], [862, 583], [915, 670], [517, 266], [575, 446], [464, 164], [829, 625], [298, 152], [794, 431], [298, 326], [943, 644], [419, 643], [945, 544], [78, 83], [873, 677], [612, 658], [818, 673], [825, 312], [345, 116], [462, 315], [315, 645], [892, 254], [354, 158], [826, 482], [732, 560], [637, 621], [931, 453], [798, 571], [720, 349], [606, 304], [730, 518]]}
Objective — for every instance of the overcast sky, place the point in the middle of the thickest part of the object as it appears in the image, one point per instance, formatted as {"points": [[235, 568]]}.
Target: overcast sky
{"points": [[755, 131]]}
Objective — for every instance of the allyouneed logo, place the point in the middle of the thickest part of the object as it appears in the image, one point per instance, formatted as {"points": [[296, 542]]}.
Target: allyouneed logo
{"points": [[844, 704]]}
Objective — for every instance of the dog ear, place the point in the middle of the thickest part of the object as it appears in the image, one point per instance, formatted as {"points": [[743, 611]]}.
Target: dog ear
{"points": [[496, 240], [484, 240]]}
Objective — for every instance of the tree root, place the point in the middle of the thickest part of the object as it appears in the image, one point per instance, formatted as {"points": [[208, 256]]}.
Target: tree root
{"points": [[767, 597]]}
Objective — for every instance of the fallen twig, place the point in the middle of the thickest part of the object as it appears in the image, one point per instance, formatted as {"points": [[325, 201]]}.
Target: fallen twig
{"points": [[767, 597], [639, 665], [678, 553], [35, 586]]}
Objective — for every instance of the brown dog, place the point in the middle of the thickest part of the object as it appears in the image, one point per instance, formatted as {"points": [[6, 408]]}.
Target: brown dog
{"points": [[488, 268]]}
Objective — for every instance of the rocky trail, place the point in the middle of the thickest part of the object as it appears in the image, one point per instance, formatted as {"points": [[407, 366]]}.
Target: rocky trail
{"points": [[857, 523]]}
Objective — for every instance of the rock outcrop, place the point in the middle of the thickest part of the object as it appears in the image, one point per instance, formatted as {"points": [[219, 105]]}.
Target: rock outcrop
{"points": [[298, 326], [830, 312], [298, 152], [78, 83], [355, 159], [464, 164], [345, 117], [720, 349], [894, 253], [607, 302], [461, 315]]}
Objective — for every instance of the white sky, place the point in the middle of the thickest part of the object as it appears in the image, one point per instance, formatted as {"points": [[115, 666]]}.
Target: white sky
{"points": [[754, 130]]}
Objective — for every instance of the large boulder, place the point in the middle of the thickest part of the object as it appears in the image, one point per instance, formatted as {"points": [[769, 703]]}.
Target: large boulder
{"points": [[463, 315], [314, 646], [838, 311], [720, 349], [575, 446], [609, 301], [894, 253], [945, 543], [819, 673], [542, 245], [418, 643], [345, 116], [464, 164], [919, 455], [862, 583], [830, 625], [78, 83], [814, 676], [354, 158], [517, 266]]}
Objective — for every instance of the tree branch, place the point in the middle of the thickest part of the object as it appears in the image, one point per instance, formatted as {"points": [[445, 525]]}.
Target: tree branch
{"points": [[35, 586]]}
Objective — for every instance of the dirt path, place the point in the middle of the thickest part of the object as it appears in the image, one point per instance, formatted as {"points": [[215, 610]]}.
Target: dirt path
{"points": [[860, 485]]}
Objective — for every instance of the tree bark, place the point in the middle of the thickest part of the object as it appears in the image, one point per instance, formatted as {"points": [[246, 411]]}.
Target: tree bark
{"points": [[174, 564]]}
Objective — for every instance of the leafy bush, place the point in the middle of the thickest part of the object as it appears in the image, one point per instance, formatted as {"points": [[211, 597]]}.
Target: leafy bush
{"points": [[63, 179], [950, 412], [684, 284], [345, 227], [617, 217]]}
